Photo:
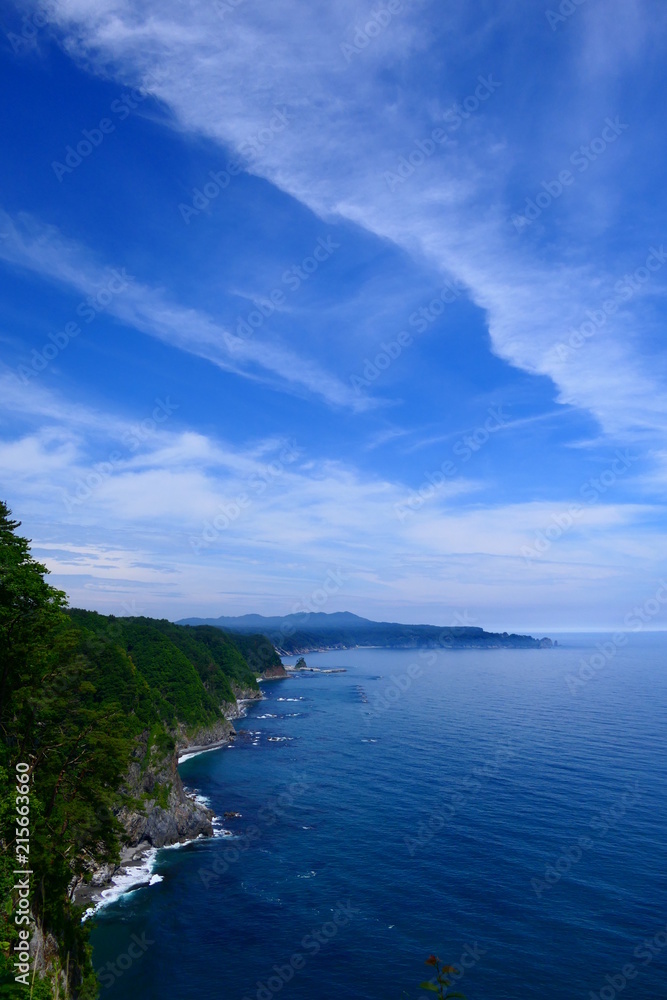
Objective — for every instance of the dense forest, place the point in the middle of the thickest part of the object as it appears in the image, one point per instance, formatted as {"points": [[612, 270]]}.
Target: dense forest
{"points": [[305, 632], [86, 699]]}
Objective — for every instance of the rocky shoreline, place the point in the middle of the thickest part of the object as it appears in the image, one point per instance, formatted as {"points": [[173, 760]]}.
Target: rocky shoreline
{"points": [[302, 649], [179, 819]]}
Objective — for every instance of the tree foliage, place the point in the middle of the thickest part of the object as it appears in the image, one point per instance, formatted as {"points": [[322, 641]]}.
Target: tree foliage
{"points": [[79, 694]]}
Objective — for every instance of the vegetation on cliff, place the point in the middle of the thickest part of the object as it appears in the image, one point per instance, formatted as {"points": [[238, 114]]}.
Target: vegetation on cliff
{"points": [[86, 701]]}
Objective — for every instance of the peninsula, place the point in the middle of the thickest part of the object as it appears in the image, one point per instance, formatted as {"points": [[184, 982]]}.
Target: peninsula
{"points": [[307, 632]]}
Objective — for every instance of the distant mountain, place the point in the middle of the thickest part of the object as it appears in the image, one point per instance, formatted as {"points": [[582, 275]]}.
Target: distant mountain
{"points": [[309, 631], [308, 620]]}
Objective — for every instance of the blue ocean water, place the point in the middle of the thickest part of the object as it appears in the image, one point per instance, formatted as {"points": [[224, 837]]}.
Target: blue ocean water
{"points": [[475, 804]]}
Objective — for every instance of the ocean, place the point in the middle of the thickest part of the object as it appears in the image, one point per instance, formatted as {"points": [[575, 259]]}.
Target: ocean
{"points": [[505, 810]]}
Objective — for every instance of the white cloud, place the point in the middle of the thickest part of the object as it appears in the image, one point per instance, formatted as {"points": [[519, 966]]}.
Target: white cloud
{"points": [[221, 78], [349, 126], [43, 250], [188, 524]]}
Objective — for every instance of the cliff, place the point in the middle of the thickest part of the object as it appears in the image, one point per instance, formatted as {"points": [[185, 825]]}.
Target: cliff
{"points": [[157, 810], [94, 711]]}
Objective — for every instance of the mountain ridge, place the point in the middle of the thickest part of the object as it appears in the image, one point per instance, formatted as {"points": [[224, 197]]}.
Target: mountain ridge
{"points": [[310, 631]]}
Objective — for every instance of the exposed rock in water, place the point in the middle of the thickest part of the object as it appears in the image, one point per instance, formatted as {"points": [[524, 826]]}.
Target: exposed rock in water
{"points": [[274, 673], [156, 810]]}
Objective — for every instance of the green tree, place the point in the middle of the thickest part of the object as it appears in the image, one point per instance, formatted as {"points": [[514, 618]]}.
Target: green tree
{"points": [[52, 720]]}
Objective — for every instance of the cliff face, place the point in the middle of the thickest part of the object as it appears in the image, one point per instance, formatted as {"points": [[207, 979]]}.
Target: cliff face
{"points": [[157, 811], [161, 813]]}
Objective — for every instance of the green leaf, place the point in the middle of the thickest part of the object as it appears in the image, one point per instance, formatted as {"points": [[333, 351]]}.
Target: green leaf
{"points": [[428, 986]]}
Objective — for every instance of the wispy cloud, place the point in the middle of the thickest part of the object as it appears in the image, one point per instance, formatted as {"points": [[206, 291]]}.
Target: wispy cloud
{"points": [[45, 251], [81, 478], [219, 79], [354, 117]]}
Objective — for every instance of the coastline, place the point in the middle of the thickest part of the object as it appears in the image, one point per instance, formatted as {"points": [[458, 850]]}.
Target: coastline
{"points": [[135, 869], [544, 643]]}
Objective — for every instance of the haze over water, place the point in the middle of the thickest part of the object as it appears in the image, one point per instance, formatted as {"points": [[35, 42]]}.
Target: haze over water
{"points": [[449, 821]]}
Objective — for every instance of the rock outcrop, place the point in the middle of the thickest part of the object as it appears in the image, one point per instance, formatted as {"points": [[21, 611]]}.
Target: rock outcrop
{"points": [[155, 810], [274, 673]]}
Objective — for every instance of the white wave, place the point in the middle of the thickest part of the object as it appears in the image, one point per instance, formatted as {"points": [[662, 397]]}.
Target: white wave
{"points": [[186, 756], [196, 796], [125, 880], [184, 843]]}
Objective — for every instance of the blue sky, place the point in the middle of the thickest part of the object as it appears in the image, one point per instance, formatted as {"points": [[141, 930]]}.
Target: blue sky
{"points": [[342, 306]]}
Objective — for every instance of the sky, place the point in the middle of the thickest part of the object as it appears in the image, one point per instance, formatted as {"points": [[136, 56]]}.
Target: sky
{"points": [[338, 306]]}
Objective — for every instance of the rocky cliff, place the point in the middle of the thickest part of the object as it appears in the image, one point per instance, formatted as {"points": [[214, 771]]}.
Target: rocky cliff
{"points": [[157, 810], [274, 673]]}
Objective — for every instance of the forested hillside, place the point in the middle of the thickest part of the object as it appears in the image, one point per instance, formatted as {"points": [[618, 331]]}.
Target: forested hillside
{"points": [[92, 708], [194, 669], [304, 632]]}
